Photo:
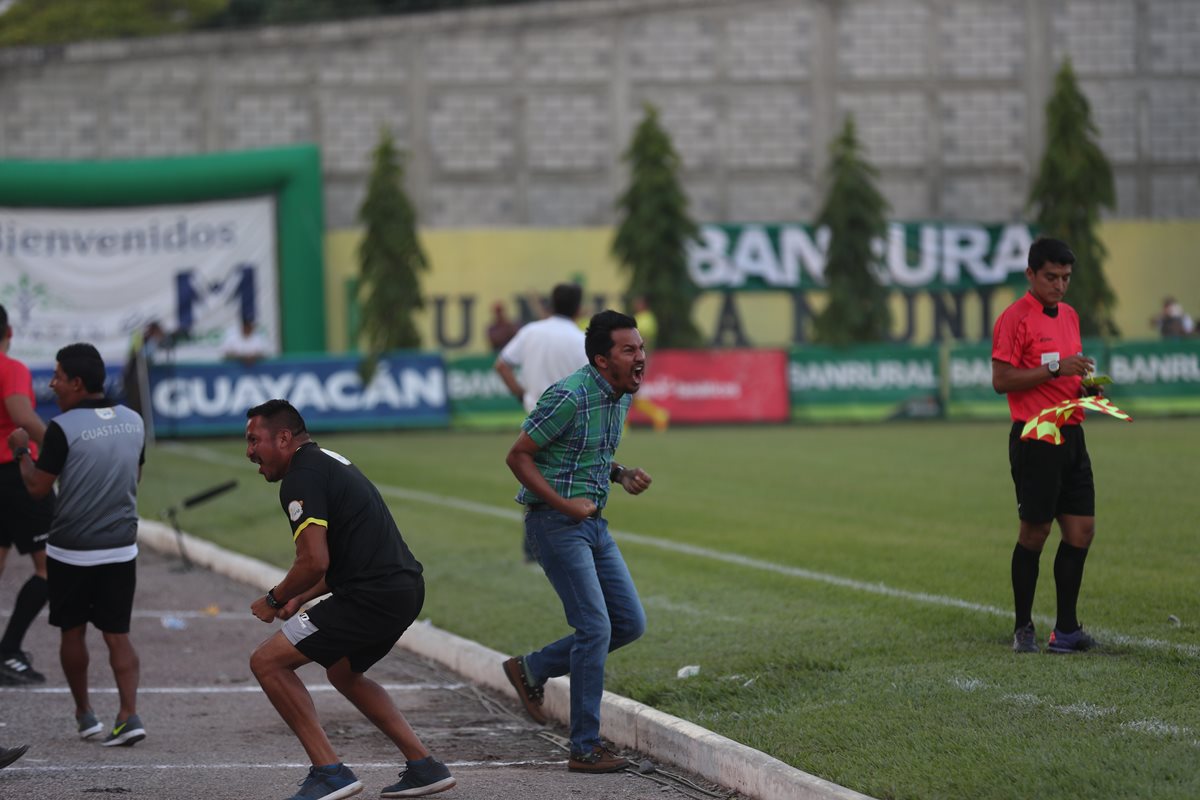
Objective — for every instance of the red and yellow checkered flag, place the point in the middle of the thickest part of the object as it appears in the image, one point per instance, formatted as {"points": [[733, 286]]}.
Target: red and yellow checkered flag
{"points": [[1046, 425]]}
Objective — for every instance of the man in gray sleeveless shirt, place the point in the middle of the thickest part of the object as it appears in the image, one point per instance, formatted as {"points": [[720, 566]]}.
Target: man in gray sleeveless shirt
{"points": [[95, 450]]}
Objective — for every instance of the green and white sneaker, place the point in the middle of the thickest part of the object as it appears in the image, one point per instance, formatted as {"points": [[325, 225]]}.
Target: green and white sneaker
{"points": [[125, 734], [89, 726]]}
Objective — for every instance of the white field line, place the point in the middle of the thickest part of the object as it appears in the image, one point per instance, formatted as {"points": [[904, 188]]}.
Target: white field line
{"points": [[1084, 711], [224, 689], [24, 766], [512, 514]]}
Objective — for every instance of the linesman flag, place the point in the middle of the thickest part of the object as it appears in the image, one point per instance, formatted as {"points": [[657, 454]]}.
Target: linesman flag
{"points": [[1046, 425]]}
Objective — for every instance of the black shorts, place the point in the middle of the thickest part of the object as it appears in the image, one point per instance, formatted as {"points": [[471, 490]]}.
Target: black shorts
{"points": [[24, 522], [348, 627], [101, 594], [1051, 479]]}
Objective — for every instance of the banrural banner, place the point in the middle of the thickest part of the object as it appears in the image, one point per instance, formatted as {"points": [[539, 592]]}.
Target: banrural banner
{"points": [[915, 256], [407, 390], [1156, 377], [864, 383], [968, 386], [698, 386], [100, 274], [478, 397]]}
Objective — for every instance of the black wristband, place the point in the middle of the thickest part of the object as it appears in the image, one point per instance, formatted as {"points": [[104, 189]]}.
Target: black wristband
{"points": [[614, 475], [272, 601], [19, 453]]}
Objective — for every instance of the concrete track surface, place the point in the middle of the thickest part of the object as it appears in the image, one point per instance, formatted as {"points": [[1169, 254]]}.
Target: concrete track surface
{"points": [[212, 735]]}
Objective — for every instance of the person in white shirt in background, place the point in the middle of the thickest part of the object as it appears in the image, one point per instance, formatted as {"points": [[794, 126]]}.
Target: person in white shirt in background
{"points": [[546, 351], [245, 343]]}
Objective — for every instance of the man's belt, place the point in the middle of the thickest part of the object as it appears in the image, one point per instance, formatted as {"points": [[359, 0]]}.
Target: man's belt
{"points": [[532, 507]]}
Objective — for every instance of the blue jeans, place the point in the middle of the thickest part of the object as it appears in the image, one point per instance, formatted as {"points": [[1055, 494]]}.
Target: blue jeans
{"points": [[601, 603]]}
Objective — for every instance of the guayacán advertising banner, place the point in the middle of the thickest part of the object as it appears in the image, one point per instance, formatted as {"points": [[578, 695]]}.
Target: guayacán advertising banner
{"points": [[1156, 377], [916, 256], [695, 386], [478, 396], [864, 383], [407, 390], [99, 274]]}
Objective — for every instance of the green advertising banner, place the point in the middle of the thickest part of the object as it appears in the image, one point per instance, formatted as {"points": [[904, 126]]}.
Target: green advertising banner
{"points": [[1155, 377], [864, 383], [969, 392], [478, 397], [968, 386]]}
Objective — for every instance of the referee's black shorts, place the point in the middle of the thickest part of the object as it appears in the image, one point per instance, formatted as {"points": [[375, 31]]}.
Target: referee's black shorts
{"points": [[1051, 479], [362, 629], [24, 522]]}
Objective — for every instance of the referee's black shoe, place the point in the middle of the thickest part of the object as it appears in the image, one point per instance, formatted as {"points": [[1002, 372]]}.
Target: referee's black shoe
{"points": [[1066, 643], [1025, 639]]}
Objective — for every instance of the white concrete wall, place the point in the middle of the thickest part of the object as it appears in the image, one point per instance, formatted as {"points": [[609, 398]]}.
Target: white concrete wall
{"points": [[519, 115]]}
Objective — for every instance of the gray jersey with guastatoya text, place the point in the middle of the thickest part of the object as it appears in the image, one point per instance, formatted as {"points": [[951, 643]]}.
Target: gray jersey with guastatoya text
{"points": [[95, 450]]}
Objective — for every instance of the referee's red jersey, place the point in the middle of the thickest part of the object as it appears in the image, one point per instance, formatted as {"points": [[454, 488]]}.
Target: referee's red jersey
{"points": [[1026, 336], [14, 380]]}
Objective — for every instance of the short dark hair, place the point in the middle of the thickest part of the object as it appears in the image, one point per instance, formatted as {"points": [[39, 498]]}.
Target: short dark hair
{"points": [[1045, 251], [279, 414], [598, 339], [566, 298], [3, 321], [82, 360]]}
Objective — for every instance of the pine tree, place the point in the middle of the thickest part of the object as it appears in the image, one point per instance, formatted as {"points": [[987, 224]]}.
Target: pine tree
{"points": [[1074, 182], [651, 240], [856, 215], [390, 257]]}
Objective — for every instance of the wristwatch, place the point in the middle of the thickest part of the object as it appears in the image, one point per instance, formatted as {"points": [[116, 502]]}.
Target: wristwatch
{"points": [[19, 453], [1054, 368]]}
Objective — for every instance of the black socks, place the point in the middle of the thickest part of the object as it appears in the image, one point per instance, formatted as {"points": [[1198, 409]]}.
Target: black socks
{"points": [[1024, 581], [1068, 577], [30, 601]]}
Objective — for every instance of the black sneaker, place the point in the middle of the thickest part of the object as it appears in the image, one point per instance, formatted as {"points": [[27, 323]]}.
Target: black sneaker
{"points": [[531, 696], [124, 734], [328, 783], [1065, 643], [1025, 640], [18, 668], [419, 778], [10, 754]]}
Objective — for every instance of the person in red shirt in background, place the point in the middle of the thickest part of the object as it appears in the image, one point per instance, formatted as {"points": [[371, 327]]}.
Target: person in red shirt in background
{"points": [[1038, 361], [25, 522]]}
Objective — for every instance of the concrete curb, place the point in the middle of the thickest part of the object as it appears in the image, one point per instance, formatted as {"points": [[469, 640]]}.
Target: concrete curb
{"points": [[626, 722]]}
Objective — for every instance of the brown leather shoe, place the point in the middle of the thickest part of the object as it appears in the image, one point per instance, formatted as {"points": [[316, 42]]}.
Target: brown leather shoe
{"points": [[599, 760], [531, 696]]}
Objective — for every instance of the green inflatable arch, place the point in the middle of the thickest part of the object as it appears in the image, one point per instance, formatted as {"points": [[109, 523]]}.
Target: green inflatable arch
{"points": [[291, 174]]}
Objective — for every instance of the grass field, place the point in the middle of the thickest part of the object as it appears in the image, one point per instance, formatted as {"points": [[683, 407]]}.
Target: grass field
{"points": [[845, 591]]}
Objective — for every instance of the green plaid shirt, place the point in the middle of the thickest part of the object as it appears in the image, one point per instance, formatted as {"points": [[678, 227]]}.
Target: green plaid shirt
{"points": [[577, 426]]}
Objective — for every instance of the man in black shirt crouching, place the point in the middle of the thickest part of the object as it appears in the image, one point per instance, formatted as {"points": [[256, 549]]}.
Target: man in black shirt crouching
{"points": [[347, 545]]}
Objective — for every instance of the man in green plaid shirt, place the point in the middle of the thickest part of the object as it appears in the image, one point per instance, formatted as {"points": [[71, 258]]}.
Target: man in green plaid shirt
{"points": [[564, 461]]}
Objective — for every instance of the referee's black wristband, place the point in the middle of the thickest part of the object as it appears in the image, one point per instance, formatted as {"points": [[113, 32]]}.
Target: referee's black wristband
{"points": [[272, 601], [614, 476]]}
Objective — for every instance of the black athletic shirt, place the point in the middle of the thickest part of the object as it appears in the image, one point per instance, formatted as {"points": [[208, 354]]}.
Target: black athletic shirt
{"points": [[366, 551]]}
